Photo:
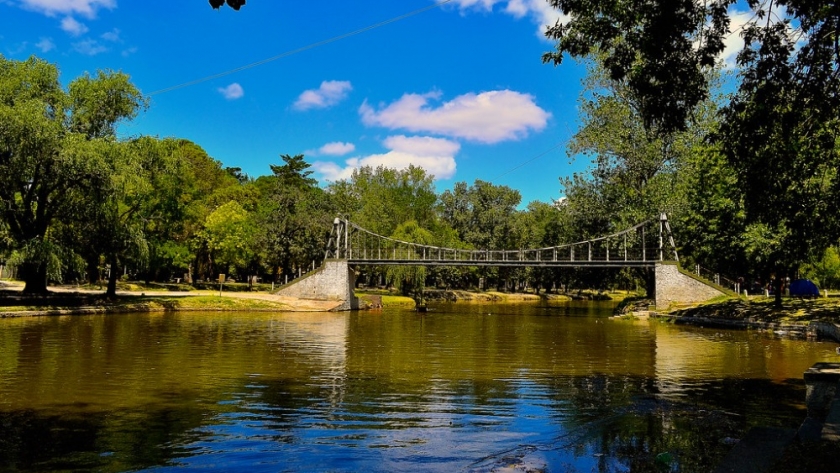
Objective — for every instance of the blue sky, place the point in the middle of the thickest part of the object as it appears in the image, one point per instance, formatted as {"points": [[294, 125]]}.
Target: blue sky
{"points": [[459, 89]]}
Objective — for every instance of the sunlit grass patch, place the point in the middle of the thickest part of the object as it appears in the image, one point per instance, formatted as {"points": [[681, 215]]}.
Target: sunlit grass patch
{"points": [[214, 303]]}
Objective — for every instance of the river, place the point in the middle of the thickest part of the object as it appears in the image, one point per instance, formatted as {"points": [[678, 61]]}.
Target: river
{"points": [[464, 387]]}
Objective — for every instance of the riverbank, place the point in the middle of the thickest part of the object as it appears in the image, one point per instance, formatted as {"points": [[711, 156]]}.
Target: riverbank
{"points": [[809, 318], [77, 301], [74, 300]]}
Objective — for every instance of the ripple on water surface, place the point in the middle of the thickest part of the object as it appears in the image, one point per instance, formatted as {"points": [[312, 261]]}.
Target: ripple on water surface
{"points": [[463, 388]]}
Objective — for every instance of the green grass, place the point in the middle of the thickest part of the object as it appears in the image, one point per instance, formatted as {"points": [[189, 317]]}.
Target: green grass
{"points": [[214, 303], [388, 300], [763, 309], [146, 304], [397, 301]]}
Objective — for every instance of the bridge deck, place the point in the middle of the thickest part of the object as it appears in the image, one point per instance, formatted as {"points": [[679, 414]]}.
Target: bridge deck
{"points": [[505, 263]]}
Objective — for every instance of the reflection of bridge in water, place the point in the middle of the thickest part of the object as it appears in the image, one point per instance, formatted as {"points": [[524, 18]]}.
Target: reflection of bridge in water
{"points": [[642, 245]]}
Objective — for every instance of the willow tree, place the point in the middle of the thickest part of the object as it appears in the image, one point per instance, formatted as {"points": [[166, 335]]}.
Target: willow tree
{"points": [[410, 279], [51, 140]]}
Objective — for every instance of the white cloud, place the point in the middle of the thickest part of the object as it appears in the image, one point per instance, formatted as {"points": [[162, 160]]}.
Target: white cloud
{"points": [[70, 25], [435, 155], [334, 149], [328, 94], [113, 36], [540, 12], [232, 92], [129, 51], [734, 43], [45, 45], [86, 8], [89, 47], [488, 117]]}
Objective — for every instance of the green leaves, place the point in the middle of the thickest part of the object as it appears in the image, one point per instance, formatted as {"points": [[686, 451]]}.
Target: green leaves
{"points": [[779, 132], [235, 4], [660, 48], [98, 103], [57, 148], [229, 232]]}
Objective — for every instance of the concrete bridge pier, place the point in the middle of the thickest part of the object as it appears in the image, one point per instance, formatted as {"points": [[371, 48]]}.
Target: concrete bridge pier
{"points": [[676, 286], [333, 281]]}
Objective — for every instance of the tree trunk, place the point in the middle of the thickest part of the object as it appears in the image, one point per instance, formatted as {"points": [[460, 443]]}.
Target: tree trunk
{"points": [[35, 277], [777, 303], [650, 283], [92, 263], [111, 293]]}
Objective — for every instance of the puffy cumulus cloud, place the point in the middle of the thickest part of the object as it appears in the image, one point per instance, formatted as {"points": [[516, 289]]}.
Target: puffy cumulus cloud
{"points": [[435, 155], [334, 149], [539, 11], [488, 117], [330, 93], [73, 27], [86, 8], [232, 92]]}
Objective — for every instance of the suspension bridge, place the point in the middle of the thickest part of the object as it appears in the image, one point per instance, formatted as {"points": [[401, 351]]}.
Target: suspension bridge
{"points": [[641, 245], [649, 244]]}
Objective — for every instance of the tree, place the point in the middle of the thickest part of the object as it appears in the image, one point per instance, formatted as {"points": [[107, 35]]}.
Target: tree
{"points": [[637, 169], [410, 279], [186, 198], [710, 229], [295, 216], [484, 217], [51, 142], [661, 48], [780, 134], [136, 200], [229, 232], [381, 199], [824, 270], [235, 4]]}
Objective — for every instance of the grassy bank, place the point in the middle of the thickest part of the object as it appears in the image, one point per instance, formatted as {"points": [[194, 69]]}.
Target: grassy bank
{"points": [[763, 309], [371, 299], [69, 304]]}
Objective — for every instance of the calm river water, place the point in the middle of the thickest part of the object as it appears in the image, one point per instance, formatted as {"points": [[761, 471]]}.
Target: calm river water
{"points": [[466, 387]]}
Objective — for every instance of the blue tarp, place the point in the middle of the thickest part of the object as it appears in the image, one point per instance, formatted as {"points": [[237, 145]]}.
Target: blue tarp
{"points": [[804, 288]]}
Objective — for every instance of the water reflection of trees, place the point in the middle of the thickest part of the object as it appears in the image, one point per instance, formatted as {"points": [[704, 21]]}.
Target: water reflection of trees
{"points": [[626, 425], [144, 391]]}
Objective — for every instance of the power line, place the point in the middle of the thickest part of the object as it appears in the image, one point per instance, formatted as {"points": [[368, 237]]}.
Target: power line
{"points": [[530, 160], [301, 49]]}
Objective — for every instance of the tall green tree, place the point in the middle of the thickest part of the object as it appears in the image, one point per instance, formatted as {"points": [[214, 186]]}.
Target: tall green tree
{"points": [[780, 134], [51, 142], [135, 203], [485, 217], [295, 217], [381, 198], [410, 279], [230, 232]]}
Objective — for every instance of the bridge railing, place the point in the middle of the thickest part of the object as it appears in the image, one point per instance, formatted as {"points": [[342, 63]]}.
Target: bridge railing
{"points": [[636, 244]]}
